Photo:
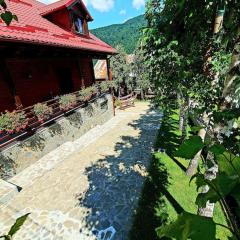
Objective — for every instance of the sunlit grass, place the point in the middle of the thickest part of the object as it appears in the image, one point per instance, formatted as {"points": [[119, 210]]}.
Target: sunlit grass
{"points": [[168, 190]]}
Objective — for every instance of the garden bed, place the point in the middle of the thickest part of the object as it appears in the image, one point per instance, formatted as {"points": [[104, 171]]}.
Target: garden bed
{"points": [[22, 123]]}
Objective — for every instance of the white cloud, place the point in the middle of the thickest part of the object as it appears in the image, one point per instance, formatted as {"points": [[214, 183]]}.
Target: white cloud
{"points": [[123, 12], [100, 5], [138, 3]]}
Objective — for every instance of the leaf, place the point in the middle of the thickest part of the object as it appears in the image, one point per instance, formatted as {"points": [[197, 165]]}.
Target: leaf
{"points": [[229, 164], [219, 187], [190, 147], [3, 4], [17, 225], [196, 128], [7, 17], [217, 149], [189, 226], [15, 17]]}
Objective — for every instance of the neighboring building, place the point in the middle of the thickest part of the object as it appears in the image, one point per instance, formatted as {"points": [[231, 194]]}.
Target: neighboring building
{"points": [[47, 52], [100, 70], [101, 67]]}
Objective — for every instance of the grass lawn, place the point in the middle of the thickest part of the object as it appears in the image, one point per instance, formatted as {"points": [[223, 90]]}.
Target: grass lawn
{"points": [[167, 191]]}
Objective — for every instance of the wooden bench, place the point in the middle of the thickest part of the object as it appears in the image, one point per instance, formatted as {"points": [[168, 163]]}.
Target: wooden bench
{"points": [[127, 101]]}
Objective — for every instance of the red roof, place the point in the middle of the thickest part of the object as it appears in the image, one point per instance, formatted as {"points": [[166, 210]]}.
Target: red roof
{"points": [[62, 4], [32, 27]]}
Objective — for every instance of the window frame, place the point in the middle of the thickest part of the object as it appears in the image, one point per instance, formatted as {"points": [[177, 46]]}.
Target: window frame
{"points": [[77, 20]]}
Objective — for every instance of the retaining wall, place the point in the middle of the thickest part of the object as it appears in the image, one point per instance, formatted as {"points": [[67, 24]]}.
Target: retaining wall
{"points": [[68, 128]]}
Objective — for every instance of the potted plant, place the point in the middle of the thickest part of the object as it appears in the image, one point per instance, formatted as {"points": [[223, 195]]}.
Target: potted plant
{"points": [[86, 93], [13, 122], [105, 85], [42, 111], [67, 101]]}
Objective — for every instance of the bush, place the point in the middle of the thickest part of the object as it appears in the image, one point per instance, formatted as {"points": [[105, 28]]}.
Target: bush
{"points": [[105, 85], [117, 103], [42, 111], [12, 122], [67, 101], [86, 93]]}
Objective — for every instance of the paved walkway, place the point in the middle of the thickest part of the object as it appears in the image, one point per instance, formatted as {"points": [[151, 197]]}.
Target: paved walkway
{"points": [[92, 183]]}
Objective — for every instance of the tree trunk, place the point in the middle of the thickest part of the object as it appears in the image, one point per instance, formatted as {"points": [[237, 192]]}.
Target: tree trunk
{"points": [[232, 75], [183, 118], [142, 95], [210, 174], [192, 168], [193, 165], [119, 92]]}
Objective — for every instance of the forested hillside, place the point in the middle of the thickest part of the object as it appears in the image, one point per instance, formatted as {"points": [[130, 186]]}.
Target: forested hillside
{"points": [[126, 34]]}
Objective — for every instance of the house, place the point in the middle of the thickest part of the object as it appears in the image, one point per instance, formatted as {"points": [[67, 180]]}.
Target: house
{"points": [[100, 70], [48, 52]]}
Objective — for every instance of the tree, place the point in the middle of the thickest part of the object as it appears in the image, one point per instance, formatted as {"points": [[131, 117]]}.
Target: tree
{"points": [[120, 69], [140, 72], [190, 67]]}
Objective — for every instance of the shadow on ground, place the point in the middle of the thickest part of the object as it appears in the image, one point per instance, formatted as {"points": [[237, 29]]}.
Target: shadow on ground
{"points": [[122, 194], [152, 208], [116, 181]]}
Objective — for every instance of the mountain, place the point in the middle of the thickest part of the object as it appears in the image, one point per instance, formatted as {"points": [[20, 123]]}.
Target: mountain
{"points": [[126, 34]]}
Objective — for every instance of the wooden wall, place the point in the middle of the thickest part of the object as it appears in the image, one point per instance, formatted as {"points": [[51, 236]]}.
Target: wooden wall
{"points": [[36, 80]]}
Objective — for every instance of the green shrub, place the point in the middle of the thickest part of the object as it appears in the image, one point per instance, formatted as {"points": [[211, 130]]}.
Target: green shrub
{"points": [[117, 103], [42, 111], [67, 101], [87, 92], [105, 85], [12, 122]]}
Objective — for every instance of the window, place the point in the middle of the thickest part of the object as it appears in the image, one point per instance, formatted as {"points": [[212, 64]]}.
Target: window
{"points": [[79, 26]]}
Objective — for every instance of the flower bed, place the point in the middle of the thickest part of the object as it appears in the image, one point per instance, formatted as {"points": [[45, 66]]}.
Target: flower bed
{"points": [[42, 111], [12, 122], [17, 121]]}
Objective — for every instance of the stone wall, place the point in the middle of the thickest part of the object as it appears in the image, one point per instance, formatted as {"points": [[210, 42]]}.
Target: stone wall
{"points": [[68, 128]]}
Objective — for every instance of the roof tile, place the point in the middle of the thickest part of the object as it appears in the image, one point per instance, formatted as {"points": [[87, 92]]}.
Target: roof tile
{"points": [[34, 28]]}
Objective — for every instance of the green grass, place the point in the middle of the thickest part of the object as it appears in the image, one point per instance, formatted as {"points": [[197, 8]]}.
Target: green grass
{"points": [[167, 191]]}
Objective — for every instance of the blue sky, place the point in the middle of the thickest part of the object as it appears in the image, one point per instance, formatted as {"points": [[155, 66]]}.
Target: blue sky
{"points": [[107, 12]]}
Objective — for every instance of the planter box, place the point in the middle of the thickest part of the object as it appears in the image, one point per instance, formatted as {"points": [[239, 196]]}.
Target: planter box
{"points": [[22, 154]]}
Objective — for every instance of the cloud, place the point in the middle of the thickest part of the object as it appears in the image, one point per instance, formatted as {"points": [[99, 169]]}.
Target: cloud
{"points": [[138, 3], [100, 5], [123, 12]]}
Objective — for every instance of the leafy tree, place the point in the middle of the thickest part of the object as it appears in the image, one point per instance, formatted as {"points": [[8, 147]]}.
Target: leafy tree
{"points": [[120, 70], [140, 72], [189, 63]]}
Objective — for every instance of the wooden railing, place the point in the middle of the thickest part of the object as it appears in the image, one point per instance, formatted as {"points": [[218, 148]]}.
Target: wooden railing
{"points": [[127, 101], [34, 124]]}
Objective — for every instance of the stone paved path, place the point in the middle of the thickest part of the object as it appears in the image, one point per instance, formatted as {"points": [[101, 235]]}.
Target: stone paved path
{"points": [[92, 183]]}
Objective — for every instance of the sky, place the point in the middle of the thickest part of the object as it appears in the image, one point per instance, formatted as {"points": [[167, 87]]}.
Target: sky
{"points": [[107, 12]]}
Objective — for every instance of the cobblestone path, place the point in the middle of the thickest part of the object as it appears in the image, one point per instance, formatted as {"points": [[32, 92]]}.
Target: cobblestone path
{"points": [[92, 183]]}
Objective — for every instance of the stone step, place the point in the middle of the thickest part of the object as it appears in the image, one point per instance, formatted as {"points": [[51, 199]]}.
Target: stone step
{"points": [[7, 192], [41, 225]]}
